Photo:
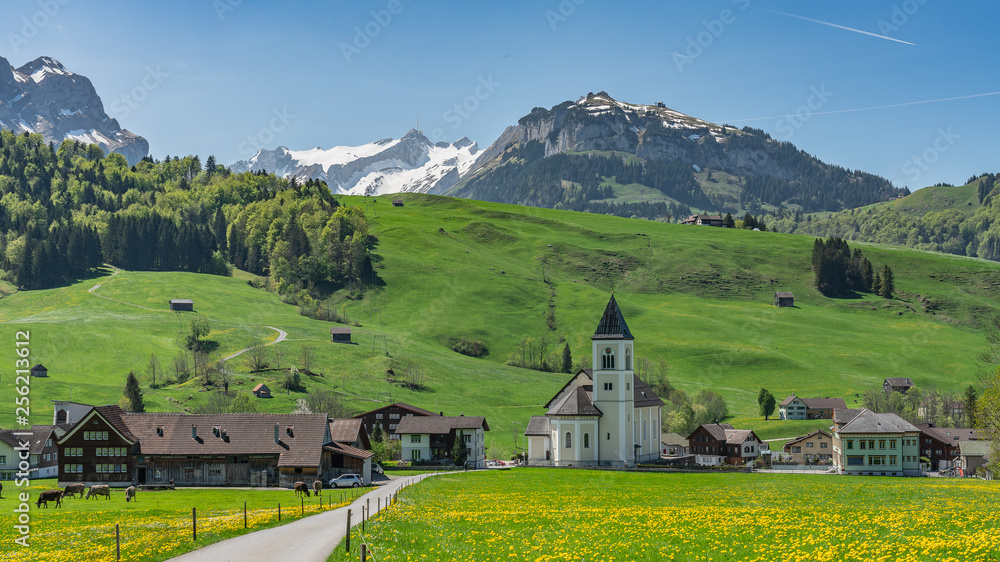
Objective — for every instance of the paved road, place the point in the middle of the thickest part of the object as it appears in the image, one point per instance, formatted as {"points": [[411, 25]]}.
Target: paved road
{"points": [[311, 539]]}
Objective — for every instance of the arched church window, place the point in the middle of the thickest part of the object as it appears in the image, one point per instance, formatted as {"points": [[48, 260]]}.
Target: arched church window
{"points": [[569, 440], [628, 359], [586, 440], [61, 416], [608, 359]]}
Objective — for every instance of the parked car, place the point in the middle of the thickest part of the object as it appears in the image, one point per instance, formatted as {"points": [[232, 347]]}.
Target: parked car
{"points": [[347, 481], [377, 468]]}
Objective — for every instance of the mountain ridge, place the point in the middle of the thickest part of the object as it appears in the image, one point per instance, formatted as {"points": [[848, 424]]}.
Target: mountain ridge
{"points": [[43, 97]]}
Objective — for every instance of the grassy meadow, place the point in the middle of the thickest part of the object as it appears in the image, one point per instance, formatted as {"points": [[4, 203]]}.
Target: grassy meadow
{"points": [[156, 526], [552, 514], [698, 298]]}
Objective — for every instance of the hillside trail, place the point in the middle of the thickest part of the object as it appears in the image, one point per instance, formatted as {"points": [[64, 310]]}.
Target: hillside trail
{"points": [[313, 538]]}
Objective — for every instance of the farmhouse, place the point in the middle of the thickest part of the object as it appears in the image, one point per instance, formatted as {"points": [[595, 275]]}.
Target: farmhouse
{"points": [[388, 417], [795, 408], [39, 370], [705, 220], [433, 437], [784, 299], [940, 445], [604, 415], [872, 444], [98, 449], [817, 446], [229, 449], [182, 305], [719, 443], [897, 384], [972, 456], [262, 391], [340, 335], [43, 455]]}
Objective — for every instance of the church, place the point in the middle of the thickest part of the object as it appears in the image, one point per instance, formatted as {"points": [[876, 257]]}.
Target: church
{"points": [[604, 415]]}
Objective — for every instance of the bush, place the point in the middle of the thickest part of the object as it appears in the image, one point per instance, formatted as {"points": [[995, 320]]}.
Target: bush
{"points": [[472, 348]]}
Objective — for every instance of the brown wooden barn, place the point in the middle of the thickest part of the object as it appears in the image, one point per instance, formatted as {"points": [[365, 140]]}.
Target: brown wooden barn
{"points": [[262, 391], [340, 335], [39, 370], [784, 299]]}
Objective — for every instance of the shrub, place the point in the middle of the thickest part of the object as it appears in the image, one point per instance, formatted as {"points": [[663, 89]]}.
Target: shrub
{"points": [[472, 348]]}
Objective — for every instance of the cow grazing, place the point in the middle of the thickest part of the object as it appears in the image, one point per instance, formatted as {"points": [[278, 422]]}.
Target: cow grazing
{"points": [[317, 487], [301, 488], [129, 493], [48, 496], [73, 489], [99, 490], [1, 490]]}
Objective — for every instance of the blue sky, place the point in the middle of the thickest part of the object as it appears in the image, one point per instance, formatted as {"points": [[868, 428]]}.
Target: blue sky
{"points": [[226, 77]]}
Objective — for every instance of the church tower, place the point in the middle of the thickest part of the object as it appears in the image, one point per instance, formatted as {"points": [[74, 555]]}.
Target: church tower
{"points": [[612, 375]]}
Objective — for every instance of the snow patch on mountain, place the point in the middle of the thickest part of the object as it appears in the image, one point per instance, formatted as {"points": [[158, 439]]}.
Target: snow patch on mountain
{"points": [[410, 164]]}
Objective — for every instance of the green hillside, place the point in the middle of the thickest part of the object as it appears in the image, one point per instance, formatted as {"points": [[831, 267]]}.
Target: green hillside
{"points": [[698, 297]]}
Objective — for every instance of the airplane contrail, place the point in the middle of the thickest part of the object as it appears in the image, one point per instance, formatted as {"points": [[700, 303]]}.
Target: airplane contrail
{"points": [[870, 108], [842, 27]]}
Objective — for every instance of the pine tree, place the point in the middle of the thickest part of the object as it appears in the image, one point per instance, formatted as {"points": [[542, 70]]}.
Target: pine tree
{"points": [[567, 360], [877, 285], [888, 285], [132, 396], [460, 451]]}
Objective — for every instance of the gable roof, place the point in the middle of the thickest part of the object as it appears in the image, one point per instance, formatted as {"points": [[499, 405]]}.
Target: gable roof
{"points": [[845, 415], [612, 324], [440, 425], [739, 436], [785, 295], [38, 367], [261, 386], [588, 373], [809, 436], [788, 400], [642, 395], [7, 436], [246, 434], [974, 448], [673, 439], [346, 430], [579, 401], [112, 415], [716, 430], [870, 422], [344, 449], [899, 381], [824, 403], [538, 426], [39, 435], [402, 406], [949, 435]]}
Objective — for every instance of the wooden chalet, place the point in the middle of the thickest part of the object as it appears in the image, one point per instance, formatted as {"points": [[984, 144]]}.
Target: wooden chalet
{"points": [[388, 417], [261, 391], [350, 448], [941, 445], [705, 220], [897, 384], [720, 443], [98, 449]]}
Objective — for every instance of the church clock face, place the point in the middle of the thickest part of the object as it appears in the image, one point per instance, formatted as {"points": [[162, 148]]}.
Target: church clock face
{"points": [[607, 350]]}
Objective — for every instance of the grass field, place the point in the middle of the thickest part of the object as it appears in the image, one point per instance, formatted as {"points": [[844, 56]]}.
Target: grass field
{"points": [[539, 514], [156, 526], [697, 297]]}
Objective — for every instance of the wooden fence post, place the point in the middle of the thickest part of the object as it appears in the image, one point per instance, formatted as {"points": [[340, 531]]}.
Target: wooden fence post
{"points": [[362, 520], [379, 505], [348, 539], [244, 515], [194, 523], [279, 512], [118, 544], [302, 505], [364, 552]]}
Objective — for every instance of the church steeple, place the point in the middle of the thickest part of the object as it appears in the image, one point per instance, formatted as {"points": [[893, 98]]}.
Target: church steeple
{"points": [[612, 324]]}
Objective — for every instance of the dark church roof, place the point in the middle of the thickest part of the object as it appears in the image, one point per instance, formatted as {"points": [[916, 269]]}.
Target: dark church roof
{"points": [[613, 323]]}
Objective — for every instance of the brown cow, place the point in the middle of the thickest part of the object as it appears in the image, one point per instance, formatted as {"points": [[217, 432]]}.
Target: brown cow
{"points": [[50, 495], [73, 489], [317, 487], [129, 493], [99, 490], [301, 488]]}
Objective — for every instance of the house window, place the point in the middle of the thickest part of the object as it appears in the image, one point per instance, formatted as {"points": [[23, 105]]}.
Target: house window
{"points": [[608, 359], [393, 416], [809, 445], [796, 449], [467, 438], [855, 461], [586, 440], [609, 437], [862, 443], [876, 460], [414, 439], [569, 440], [415, 455], [881, 444], [871, 444], [48, 443], [609, 386], [86, 436], [3, 459], [393, 425], [822, 445], [378, 416], [892, 444], [892, 461]]}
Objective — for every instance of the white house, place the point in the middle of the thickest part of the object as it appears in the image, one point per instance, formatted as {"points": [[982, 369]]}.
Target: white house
{"points": [[425, 438], [66, 412], [42, 453], [604, 415]]}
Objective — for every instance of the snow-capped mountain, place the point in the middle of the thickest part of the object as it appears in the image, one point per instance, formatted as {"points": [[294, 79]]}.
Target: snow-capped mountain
{"points": [[411, 163], [43, 97]]}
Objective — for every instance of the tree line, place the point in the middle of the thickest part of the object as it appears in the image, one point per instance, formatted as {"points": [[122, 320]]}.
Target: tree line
{"points": [[838, 271], [64, 211]]}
